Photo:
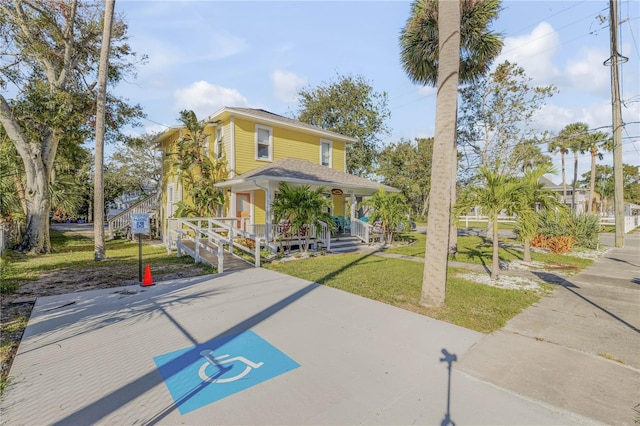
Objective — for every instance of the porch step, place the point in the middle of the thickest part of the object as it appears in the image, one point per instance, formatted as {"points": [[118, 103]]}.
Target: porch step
{"points": [[345, 244]]}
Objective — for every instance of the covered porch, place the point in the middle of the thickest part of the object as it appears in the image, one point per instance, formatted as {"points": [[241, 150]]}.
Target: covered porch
{"points": [[250, 197]]}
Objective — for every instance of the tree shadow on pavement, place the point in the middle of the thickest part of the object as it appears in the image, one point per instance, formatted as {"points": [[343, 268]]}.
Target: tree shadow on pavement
{"points": [[569, 286], [95, 411]]}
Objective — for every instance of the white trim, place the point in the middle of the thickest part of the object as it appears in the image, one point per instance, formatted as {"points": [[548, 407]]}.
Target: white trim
{"points": [[232, 154], [170, 201], [324, 142], [218, 138], [207, 145], [270, 144], [278, 123], [252, 207]]}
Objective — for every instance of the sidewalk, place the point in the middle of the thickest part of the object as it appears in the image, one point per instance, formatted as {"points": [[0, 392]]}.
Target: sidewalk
{"points": [[320, 356], [577, 349]]}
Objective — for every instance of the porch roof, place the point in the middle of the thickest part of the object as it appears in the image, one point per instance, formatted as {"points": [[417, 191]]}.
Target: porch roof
{"points": [[304, 172]]}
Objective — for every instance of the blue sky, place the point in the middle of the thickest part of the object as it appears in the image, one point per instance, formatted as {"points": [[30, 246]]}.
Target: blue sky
{"points": [[204, 55]]}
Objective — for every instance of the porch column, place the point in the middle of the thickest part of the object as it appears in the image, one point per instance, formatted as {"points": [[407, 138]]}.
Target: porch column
{"points": [[353, 206], [267, 212]]}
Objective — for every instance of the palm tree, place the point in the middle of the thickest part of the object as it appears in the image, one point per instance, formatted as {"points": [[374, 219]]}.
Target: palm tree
{"points": [[560, 146], [392, 210], [572, 138], [439, 48], [592, 144], [197, 171], [98, 188], [533, 196], [528, 155], [303, 208], [495, 193]]}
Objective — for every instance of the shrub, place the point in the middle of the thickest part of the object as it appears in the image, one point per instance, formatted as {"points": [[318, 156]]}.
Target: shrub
{"points": [[560, 245], [582, 228]]}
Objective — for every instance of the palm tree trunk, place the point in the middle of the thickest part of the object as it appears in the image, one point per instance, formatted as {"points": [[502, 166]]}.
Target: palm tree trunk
{"points": [[592, 184], [495, 263], [98, 194], [564, 179], [575, 181], [434, 277], [527, 250], [453, 227]]}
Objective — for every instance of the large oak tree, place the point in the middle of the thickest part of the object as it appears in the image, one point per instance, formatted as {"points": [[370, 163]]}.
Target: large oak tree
{"points": [[49, 55]]}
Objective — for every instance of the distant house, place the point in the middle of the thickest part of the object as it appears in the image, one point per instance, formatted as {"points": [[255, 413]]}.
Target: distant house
{"points": [[581, 199]]}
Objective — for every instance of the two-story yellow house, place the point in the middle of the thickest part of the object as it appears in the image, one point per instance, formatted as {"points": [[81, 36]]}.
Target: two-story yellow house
{"points": [[262, 149]]}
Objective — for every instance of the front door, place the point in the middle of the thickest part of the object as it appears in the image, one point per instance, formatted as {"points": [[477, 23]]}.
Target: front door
{"points": [[243, 208]]}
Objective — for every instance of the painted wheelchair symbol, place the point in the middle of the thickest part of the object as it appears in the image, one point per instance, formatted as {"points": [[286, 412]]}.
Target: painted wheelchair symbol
{"points": [[218, 362]]}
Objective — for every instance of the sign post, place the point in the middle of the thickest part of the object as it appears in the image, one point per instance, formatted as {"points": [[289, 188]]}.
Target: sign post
{"points": [[140, 225]]}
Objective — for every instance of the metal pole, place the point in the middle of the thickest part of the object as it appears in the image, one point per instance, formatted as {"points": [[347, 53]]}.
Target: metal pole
{"points": [[618, 184], [139, 257]]}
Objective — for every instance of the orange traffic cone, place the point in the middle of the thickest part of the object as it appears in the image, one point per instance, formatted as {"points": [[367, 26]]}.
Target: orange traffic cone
{"points": [[147, 280]]}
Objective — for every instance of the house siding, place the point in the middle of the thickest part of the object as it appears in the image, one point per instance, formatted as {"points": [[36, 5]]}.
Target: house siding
{"points": [[286, 144], [259, 207]]}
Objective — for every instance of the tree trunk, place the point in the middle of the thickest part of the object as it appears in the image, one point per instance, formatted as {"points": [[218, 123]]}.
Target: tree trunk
{"points": [[564, 179], [592, 184], [527, 250], [37, 159], [453, 229], [21, 195], [575, 181], [495, 263], [434, 277], [98, 189]]}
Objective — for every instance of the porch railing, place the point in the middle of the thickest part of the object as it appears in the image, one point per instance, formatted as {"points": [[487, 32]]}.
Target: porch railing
{"points": [[212, 235], [361, 229]]}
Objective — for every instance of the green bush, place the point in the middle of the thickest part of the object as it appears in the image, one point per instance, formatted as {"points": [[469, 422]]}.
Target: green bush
{"points": [[584, 228]]}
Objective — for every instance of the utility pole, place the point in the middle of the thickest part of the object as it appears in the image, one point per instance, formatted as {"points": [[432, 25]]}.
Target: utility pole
{"points": [[614, 63]]}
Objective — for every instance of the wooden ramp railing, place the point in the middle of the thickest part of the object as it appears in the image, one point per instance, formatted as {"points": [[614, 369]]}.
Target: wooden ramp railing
{"points": [[211, 241]]}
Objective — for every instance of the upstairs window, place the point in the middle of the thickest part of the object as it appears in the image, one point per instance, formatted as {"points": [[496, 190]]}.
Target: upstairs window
{"points": [[218, 143], [325, 152], [264, 143]]}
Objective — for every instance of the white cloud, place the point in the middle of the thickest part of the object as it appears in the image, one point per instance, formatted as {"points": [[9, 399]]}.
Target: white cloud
{"points": [[533, 52], [427, 91], [286, 85], [586, 73], [553, 117], [205, 98]]}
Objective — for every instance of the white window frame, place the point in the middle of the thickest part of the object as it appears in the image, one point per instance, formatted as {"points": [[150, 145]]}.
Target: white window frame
{"points": [[206, 145], [324, 142], [270, 147], [218, 141]]}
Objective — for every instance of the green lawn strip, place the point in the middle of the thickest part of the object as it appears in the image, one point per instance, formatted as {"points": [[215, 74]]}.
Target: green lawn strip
{"points": [[9, 344], [77, 253], [483, 225], [399, 283], [476, 251]]}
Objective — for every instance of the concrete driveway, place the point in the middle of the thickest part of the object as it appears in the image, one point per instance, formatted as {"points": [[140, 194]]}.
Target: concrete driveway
{"points": [[284, 351]]}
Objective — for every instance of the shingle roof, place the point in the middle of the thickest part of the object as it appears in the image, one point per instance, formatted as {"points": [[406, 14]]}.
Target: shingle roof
{"points": [[285, 120], [293, 169]]}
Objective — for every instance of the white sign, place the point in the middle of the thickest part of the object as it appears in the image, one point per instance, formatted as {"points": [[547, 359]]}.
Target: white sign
{"points": [[140, 223]]}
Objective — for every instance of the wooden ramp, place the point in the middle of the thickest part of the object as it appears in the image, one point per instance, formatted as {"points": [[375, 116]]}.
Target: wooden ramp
{"points": [[231, 261]]}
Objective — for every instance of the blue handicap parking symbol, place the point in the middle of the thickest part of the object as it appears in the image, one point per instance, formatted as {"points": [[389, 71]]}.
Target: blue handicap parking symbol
{"points": [[205, 373]]}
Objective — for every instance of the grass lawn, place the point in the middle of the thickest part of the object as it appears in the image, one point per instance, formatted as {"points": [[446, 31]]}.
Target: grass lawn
{"points": [[476, 251], [74, 252], [483, 225], [399, 283], [71, 268]]}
